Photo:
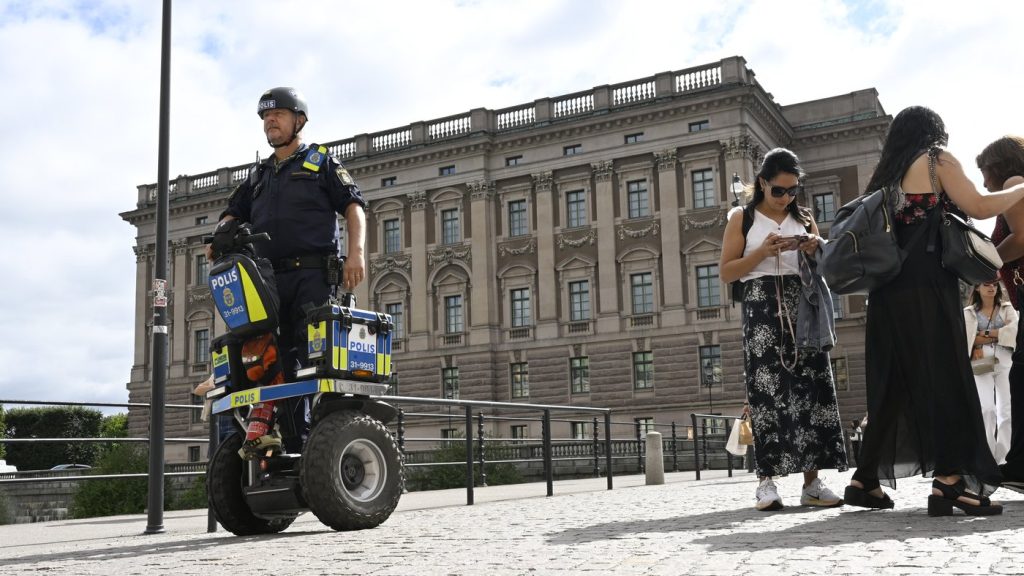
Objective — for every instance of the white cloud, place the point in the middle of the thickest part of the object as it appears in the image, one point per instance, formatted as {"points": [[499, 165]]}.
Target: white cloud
{"points": [[81, 86]]}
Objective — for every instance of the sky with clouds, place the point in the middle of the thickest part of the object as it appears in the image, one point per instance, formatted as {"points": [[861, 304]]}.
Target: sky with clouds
{"points": [[79, 109]]}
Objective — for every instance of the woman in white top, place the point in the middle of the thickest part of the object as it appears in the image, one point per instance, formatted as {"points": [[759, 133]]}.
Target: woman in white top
{"points": [[793, 407], [991, 334]]}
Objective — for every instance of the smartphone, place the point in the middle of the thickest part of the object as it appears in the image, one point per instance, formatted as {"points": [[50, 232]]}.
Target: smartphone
{"points": [[792, 242]]}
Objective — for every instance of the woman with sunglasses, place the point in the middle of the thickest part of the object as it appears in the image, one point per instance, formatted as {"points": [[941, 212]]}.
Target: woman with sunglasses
{"points": [[793, 407], [1002, 166], [992, 332], [925, 417]]}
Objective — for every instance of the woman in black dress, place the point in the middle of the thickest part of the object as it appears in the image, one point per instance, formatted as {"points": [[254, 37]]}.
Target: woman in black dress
{"points": [[923, 408]]}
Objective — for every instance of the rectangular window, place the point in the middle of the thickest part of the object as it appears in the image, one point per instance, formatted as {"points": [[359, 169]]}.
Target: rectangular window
{"points": [[450, 433], [575, 209], [196, 417], [520, 299], [450, 226], [645, 425], [634, 138], [710, 366], [579, 301], [839, 374], [389, 181], [643, 370], [643, 293], [824, 207], [453, 314], [579, 374], [513, 160], [639, 205], [450, 383], [201, 220], [703, 188], [395, 310], [193, 453], [707, 286], [518, 432], [579, 430], [519, 373], [517, 224], [837, 306], [392, 236], [572, 150], [202, 346], [446, 170], [699, 125], [202, 269]]}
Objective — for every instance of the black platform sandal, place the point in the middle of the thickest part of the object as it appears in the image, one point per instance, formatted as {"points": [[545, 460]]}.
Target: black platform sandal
{"points": [[862, 497], [943, 505]]}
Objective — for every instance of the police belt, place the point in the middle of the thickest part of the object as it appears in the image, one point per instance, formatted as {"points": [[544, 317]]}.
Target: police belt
{"points": [[300, 262]]}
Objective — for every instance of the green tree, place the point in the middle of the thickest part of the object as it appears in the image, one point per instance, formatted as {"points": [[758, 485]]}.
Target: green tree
{"points": [[51, 422], [454, 475], [108, 497]]}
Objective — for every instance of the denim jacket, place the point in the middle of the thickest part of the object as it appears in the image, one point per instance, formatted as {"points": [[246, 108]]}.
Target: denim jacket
{"points": [[815, 327]]}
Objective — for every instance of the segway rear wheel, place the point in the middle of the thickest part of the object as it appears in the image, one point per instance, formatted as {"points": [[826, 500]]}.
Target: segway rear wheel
{"points": [[352, 474], [225, 477]]}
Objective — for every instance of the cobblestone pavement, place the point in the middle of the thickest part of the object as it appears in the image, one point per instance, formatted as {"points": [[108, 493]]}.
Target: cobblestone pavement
{"points": [[706, 527]]}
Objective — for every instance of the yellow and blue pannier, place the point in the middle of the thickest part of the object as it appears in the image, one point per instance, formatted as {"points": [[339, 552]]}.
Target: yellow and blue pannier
{"points": [[349, 343], [245, 294]]}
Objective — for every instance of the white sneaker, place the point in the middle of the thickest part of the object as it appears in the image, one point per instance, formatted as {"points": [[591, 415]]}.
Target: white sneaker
{"points": [[817, 494], [767, 496]]}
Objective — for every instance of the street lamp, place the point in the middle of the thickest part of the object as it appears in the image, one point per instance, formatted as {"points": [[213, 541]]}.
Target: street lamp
{"points": [[712, 376], [737, 189]]}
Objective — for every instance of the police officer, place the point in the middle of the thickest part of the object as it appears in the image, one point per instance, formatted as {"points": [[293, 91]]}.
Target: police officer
{"points": [[295, 196]]}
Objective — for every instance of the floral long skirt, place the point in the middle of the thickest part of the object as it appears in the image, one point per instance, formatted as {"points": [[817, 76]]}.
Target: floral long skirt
{"points": [[793, 409]]}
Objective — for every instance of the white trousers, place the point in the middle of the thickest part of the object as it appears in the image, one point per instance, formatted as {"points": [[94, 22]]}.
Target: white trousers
{"points": [[994, 394]]}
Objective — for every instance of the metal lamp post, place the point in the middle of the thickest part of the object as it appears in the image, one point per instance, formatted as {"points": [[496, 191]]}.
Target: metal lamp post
{"points": [[737, 189], [710, 379]]}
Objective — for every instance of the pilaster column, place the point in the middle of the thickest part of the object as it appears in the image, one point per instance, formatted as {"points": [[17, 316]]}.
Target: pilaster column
{"points": [[607, 269], [179, 288], [483, 308], [417, 317], [143, 256], [546, 289], [672, 272], [741, 156]]}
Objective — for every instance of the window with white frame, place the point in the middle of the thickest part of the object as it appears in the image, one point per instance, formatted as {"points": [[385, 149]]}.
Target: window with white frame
{"points": [[579, 300], [450, 233], [575, 209], [388, 182], [579, 374], [394, 309], [201, 220], [194, 452], [572, 150], [519, 375], [710, 365], [837, 306], [201, 346], [579, 430], [450, 383], [703, 188], [707, 286], [645, 424], [699, 126], [453, 314], [446, 170], [392, 236], [520, 302], [517, 221], [642, 288], [518, 432], [513, 160], [202, 269], [639, 203], [825, 207], [634, 138], [643, 370]]}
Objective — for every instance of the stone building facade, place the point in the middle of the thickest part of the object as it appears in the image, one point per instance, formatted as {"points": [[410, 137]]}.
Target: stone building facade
{"points": [[563, 251]]}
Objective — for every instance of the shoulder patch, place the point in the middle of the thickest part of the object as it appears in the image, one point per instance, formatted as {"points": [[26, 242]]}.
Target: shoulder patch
{"points": [[314, 158], [344, 176]]}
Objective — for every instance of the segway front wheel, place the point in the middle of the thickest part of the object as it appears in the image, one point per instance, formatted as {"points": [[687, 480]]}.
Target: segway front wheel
{"points": [[225, 477], [352, 474]]}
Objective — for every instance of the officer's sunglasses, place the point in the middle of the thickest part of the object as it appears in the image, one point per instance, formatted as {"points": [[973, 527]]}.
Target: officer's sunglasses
{"points": [[779, 191]]}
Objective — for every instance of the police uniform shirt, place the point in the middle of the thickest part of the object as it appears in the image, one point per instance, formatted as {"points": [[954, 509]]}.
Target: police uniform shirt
{"points": [[296, 202]]}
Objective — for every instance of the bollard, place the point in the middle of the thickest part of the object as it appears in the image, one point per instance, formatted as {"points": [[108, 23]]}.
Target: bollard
{"points": [[655, 460]]}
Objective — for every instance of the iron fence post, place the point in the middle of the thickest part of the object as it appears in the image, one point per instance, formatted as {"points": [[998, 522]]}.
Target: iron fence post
{"points": [[214, 421], [608, 446], [480, 444], [597, 467], [400, 430], [469, 455], [696, 450], [639, 449], [675, 452], [728, 455], [546, 440]]}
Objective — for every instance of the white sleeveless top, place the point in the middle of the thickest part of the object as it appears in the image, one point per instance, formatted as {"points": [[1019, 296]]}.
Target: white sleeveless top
{"points": [[762, 227]]}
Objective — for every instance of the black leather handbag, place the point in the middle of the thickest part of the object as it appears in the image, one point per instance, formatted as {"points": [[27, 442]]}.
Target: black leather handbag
{"points": [[966, 251]]}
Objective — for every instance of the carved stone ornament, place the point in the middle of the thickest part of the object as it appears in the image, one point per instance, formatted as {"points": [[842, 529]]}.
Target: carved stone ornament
{"points": [[603, 170], [199, 294], [542, 182], [739, 147], [528, 248], [666, 160], [142, 253], [718, 220], [481, 189], [588, 238], [449, 254], [651, 229], [180, 246], [417, 200], [388, 263]]}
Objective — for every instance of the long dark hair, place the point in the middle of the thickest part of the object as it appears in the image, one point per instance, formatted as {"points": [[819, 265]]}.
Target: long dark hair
{"points": [[776, 161], [912, 131], [1003, 159], [996, 302]]}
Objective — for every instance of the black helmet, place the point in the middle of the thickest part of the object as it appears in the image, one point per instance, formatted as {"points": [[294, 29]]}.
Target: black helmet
{"points": [[282, 97]]}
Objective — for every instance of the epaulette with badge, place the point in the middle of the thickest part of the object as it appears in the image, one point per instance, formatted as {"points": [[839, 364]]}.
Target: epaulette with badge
{"points": [[317, 156]]}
